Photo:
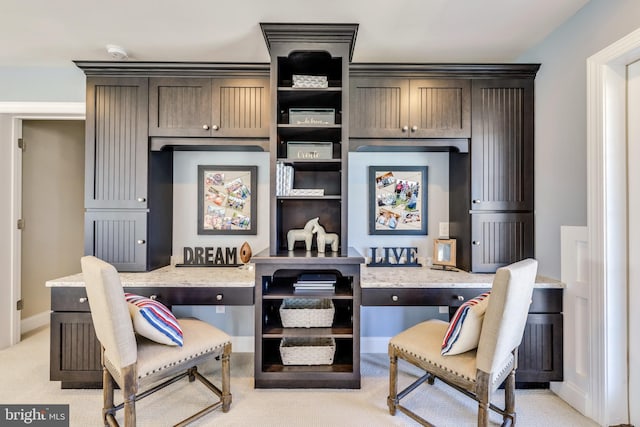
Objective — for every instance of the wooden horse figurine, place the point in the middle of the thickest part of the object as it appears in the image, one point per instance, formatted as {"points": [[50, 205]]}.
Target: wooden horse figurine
{"points": [[302, 234], [324, 239]]}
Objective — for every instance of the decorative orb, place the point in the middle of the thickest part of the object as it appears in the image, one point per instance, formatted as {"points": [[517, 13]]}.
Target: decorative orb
{"points": [[245, 252]]}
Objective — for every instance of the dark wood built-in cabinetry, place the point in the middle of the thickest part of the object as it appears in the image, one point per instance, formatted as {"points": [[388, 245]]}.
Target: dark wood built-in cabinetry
{"points": [[205, 107], [410, 108]]}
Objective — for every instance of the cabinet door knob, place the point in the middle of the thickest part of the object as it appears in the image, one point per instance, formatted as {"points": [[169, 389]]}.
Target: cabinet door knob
{"points": [[475, 201], [405, 128], [394, 298], [83, 299], [205, 127], [414, 128], [142, 199], [141, 242], [476, 243], [215, 127], [219, 297]]}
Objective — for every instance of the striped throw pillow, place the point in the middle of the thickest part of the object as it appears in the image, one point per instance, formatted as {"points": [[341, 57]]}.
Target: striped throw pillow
{"points": [[464, 329], [153, 320]]}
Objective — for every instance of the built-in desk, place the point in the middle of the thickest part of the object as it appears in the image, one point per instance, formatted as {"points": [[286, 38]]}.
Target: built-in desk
{"points": [[539, 355], [75, 352]]}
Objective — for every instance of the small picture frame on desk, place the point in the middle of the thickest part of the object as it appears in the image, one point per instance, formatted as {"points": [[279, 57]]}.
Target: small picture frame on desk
{"points": [[227, 197], [444, 254]]}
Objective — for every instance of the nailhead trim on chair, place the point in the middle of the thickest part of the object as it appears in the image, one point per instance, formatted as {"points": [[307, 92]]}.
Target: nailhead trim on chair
{"points": [[430, 363], [178, 362]]}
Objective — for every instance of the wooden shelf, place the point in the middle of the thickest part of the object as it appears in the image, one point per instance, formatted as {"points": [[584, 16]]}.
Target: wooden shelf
{"points": [[335, 332]]}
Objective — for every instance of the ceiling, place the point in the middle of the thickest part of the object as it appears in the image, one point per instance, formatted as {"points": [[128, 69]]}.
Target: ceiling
{"points": [[45, 33]]}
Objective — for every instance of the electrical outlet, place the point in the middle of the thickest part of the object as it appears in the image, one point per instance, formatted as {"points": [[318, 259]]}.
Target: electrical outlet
{"points": [[443, 230], [443, 309], [219, 309]]}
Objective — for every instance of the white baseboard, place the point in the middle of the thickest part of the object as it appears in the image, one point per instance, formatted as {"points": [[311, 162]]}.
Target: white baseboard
{"points": [[572, 394], [34, 322]]}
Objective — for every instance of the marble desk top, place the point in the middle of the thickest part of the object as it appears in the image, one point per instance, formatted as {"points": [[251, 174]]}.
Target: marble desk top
{"points": [[425, 277], [370, 277], [171, 275]]}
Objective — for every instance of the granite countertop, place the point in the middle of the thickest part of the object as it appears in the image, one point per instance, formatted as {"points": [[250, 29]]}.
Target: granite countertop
{"points": [[370, 277], [425, 277], [175, 276]]}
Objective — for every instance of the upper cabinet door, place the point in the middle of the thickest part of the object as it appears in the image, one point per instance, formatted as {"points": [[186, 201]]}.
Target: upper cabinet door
{"points": [[502, 145], [116, 149], [440, 108], [379, 108], [240, 108], [180, 107]]}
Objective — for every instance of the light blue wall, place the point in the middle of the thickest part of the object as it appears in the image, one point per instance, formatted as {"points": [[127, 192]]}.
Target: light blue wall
{"points": [[65, 84]]}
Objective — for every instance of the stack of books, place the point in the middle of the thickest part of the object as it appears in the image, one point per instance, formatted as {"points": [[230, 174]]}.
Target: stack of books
{"points": [[284, 179], [315, 282]]}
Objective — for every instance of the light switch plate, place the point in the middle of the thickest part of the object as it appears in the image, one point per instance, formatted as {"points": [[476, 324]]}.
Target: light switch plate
{"points": [[443, 230]]}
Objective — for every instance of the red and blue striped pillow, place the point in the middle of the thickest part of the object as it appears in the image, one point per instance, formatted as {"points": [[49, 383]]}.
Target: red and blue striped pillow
{"points": [[464, 328], [153, 320]]}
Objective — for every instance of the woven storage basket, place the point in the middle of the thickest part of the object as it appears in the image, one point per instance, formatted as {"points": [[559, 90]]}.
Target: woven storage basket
{"points": [[305, 81], [307, 312], [307, 351]]}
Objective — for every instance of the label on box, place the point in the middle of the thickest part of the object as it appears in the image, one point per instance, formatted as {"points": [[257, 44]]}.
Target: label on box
{"points": [[309, 150], [311, 116]]}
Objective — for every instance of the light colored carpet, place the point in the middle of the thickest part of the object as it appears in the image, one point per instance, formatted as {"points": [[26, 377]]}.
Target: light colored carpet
{"points": [[25, 372]]}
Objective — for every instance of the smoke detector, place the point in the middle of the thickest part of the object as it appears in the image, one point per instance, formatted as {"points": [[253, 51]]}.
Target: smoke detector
{"points": [[117, 52]]}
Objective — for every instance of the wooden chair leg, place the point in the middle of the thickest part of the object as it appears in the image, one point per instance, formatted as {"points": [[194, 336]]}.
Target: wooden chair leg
{"points": [[483, 394], [129, 393], [509, 418], [226, 378], [107, 395], [392, 399]]}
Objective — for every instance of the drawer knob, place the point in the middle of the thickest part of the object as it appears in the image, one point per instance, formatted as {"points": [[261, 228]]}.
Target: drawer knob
{"points": [[153, 297], [82, 300], [459, 297], [219, 297], [394, 298]]}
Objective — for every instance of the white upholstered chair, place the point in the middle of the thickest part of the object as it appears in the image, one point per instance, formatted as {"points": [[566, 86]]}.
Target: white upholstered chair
{"points": [[477, 372], [140, 366]]}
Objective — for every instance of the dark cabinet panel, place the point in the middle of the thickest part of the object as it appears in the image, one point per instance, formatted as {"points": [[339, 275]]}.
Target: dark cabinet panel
{"points": [[75, 351], [117, 237], [540, 353], [410, 108], [498, 239], [205, 107], [502, 145], [180, 107], [116, 143]]}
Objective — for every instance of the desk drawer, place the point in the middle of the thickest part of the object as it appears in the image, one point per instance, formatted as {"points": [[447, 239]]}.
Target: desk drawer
{"points": [[74, 299], [418, 296]]}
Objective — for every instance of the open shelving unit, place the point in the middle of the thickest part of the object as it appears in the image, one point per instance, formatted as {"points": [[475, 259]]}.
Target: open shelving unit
{"points": [[308, 50]]}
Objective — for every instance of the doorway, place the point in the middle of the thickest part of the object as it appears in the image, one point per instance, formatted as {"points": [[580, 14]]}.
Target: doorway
{"points": [[52, 211]]}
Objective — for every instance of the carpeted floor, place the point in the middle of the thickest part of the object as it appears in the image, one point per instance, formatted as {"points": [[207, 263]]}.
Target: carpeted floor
{"points": [[25, 372]]}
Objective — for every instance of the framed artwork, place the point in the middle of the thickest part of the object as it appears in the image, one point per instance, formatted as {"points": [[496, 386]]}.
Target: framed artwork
{"points": [[397, 199], [444, 252], [227, 199]]}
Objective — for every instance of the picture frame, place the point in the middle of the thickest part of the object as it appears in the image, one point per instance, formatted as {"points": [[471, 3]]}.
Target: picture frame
{"points": [[444, 253], [227, 199], [398, 200]]}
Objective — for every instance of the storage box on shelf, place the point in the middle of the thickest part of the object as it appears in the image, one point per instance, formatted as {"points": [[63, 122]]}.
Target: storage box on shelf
{"points": [[307, 351]]}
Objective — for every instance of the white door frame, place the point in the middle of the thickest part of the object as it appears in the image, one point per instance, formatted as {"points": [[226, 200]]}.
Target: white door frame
{"points": [[18, 111], [607, 224]]}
